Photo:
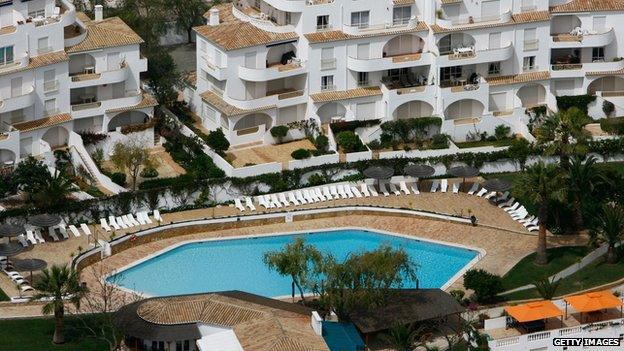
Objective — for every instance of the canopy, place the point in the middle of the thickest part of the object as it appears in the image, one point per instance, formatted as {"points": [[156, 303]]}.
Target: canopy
{"points": [[464, 171], [30, 265], [419, 170], [594, 301], [534, 311], [44, 220], [10, 249], [377, 172], [498, 185], [10, 230]]}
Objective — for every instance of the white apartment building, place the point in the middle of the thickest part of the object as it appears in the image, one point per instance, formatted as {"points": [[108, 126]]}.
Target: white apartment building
{"points": [[475, 64], [62, 73]]}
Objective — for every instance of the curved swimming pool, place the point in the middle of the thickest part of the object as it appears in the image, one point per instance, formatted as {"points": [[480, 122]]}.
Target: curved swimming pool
{"points": [[236, 264]]}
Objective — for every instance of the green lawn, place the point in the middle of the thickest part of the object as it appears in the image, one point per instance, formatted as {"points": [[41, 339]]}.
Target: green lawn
{"points": [[479, 143], [596, 274], [36, 335], [526, 272], [614, 166]]}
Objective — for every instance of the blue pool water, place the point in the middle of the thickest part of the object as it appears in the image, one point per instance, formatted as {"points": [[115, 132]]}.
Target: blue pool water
{"points": [[236, 264]]}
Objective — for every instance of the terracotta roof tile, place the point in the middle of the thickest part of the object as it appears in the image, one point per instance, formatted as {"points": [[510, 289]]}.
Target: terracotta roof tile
{"points": [[148, 101], [337, 35], [233, 34], [40, 61], [43, 122], [518, 18], [402, 2], [589, 6], [518, 78], [110, 32], [229, 110], [605, 73], [345, 94]]}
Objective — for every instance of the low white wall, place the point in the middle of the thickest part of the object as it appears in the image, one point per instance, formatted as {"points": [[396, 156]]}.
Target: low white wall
{"points": [[359, 156], [249, 171], [292, 135], [314, 161]]}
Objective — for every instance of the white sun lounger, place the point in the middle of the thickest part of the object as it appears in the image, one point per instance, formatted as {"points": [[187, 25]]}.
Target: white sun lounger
{"points": [[341, 191], [30, 237], [490, 195], [372, 190], [113, 222], [238, 205], [249, 203], [533, 228], [140, 218], [22, 240], [444, 185], [127, 221], [157, 216], [283, 200], [52, 234], [455, 188], [268, 201], [348, 191], [364, 189], [309, 196], [121, 223], [512, 207], [534, 221], [503, 198], [85, 229], [394, 189], [527, 220], [74, 230], [319, 194], [327, 193], [262, 202], [382, 188], [415, 189], [356, 192], [63, 230], [26, 288], [299, 196], [473, 189], [291, 198], [435, 185], [404, 188], [38, 236], [276, 201], [334, 192], [507, 203], [133, 220], [482, 192], [146, 217], [520, 215], [520, 209], [104, 225]]}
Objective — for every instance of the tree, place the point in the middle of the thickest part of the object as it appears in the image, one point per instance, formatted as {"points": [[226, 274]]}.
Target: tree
{"points": [[583, 178], [609, 229], [163, 77], [53, 190], [519, 151], [484, 284], [295, 260], [608, 108], [279, 132], [189, 13], [502, 131], [563, 133], [403, 337], [30, 174], [349, 141], [132, 158], [541, 184], [217, 141], [547, 288], [57, 285], [148, 18], [321, 143]]}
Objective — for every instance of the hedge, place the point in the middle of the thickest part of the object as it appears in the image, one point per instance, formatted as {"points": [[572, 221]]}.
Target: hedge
{"points": [[580, 101], [351, 126], [613, 125]]}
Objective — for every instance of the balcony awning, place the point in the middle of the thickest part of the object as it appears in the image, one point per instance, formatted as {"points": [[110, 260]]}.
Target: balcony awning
{"points": [[594, 301], [534, 311]]}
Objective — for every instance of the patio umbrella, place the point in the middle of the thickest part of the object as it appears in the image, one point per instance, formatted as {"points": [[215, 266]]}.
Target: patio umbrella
{"points": [[10, 248], [464, 172], [419, 170], [498, 185], [378, 172], [29, 265], [10, 230], [44, 220]]}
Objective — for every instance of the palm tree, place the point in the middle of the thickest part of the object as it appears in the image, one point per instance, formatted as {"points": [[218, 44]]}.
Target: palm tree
{"points": [[547, 288], [610, 229], [53, 190], [59, 284], [404, 337], [540, 184], [583, 178], [564, 134]]}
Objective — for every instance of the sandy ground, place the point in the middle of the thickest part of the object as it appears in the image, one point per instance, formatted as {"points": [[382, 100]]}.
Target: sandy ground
{"points": [[268, 153]]}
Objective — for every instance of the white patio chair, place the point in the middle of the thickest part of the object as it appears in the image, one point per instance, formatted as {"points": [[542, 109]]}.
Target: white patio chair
{"points": [[113, 222], [415, 189], [347, 190], [455, 188], [249, 203], [404, 188], [74, 230], [394, 189], [239, 205], [482, 192], [52, 234], [364, 189], [104, 225], [444, 185], [356, 192], [473, 189], [373, 191], [85, 229], [435, 185]]}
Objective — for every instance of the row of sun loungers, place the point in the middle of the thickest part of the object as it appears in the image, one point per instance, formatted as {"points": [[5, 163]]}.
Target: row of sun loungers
{"points": [[33, 235], [509, 204], [17, 278], [129, 221]]}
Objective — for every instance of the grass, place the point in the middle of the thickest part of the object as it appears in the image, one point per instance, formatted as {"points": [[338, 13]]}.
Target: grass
{"points": [[478, 143], [595, 274], [36, 334], [526, 272]]}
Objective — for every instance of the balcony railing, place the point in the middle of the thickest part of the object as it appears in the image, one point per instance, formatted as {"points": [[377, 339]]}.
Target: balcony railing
{"points": [[567, 66], [324, 27], [528, 8]]}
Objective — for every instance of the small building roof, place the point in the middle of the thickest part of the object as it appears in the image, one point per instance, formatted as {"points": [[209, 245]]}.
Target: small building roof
{"points": [[338, 95], [43, 122], [534, 311], [228, 110], [40, 61], [588, 6], [518, 78], [594, 301], [109, 32], [406, 306], [234, 34]]}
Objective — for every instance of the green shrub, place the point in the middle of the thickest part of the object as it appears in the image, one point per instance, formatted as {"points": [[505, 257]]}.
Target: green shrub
{"points": [[321, 143], [279, 132], [316, 179], [580, 101], [149, 173], [484, 284], [608, 108], [352, 125], [118, 178], [349, 141], [502, 131], [440, 141], [613, 125], [301, 154], [375, 145], [217, 141]]}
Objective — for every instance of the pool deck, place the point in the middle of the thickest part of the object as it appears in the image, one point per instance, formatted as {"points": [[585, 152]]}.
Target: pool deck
{"points": [[504, 240]]}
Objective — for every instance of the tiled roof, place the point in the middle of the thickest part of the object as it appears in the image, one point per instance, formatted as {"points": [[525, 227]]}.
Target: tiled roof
{"points": [[402, 2], [110, 32], [589, 6], [605, 73], [7, 30], [337, 35], [229, 110], [233, 34], [148, 101], [345, 94], [43, 122], [518, 18], [40, 61], [519, 78]]}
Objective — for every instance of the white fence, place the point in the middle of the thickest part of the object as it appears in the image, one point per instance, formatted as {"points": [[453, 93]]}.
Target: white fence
{"points": [[359, 156], [314, 161]]}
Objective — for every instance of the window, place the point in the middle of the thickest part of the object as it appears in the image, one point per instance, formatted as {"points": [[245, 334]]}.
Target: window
{"points": [[452, 11], [327, 83], [43, 45], [360, 19], [529, 63], [49, 81], [446, 73], [187, 345], [36, 12], [494, 68], [17, 116], [530, 39], [401, 15], [362, 79], [6, 55], [322, 22], [50, 106], [328, 61], [178, 345], [210, 113], [490, 10], [598, 55]]}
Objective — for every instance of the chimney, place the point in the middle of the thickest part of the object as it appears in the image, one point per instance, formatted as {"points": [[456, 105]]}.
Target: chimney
{"points": [[214, 17], [99, 13]]}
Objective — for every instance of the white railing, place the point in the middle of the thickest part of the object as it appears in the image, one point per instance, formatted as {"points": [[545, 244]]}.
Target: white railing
{"points": [[324, 27], [365, 28], [262, 23], [328, 87]]}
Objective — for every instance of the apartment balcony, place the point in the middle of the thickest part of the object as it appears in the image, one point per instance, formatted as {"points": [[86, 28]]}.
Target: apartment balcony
{"points": [[87, 79], [367, 29], [281, 98], [462, 90], [389, 62], [19, 62], [218, 71], [471, 21], [90, 106], [398, 94], [566, 70], [274, 71], [567, 40], [468, 56], [289, 5], [261, 20], [18, 101], [593, 68]]}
